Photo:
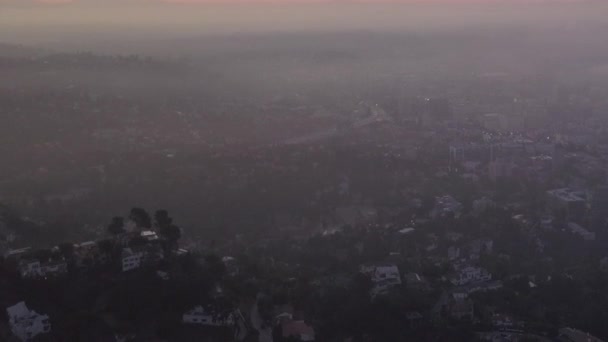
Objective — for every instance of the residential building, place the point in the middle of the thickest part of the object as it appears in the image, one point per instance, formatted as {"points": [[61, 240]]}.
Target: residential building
{"points": [[383, 277], [86, 253], [208, 317], [131, 259], [571, 203], [26, 324], [135, 257], [149, 235], [445, 206], [469, 275], [32, 268]]}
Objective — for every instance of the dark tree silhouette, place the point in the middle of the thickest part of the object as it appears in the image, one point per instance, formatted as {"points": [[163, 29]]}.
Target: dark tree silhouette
{"points": [[66, 249], [106, 247], [140, 217], [117, 226], [162, 219], [172, 233]]}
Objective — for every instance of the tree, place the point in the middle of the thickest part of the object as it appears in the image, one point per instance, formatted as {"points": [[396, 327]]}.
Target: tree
{"points": [[162, 218], [106, 247], [117, 226], [171, 233], [215, 265], [140, 217], [66, 249]]}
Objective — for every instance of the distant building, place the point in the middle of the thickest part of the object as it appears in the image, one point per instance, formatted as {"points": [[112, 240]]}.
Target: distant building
{"points": [[135, 257], [495, 122], [86, 254], [571, 203], [469, 275], [131, 259], [149, 235], [502, 168], [33, 269], [26, 324], [446, 205], [206, 316], [382, 276]]}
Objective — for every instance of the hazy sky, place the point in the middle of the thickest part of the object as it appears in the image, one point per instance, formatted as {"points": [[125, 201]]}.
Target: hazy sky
{"points": [[79, 21], [285, 1]]}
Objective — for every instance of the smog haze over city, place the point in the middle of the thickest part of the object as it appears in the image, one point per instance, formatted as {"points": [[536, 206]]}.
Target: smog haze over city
{"points": [[303, 170]]}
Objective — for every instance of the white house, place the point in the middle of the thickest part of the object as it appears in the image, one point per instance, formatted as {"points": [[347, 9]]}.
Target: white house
{"points": [[202, 316], [33, 268], [469, 275], [149, 235], [388, 274], [131, 259], [26, 324], [383, 277]]}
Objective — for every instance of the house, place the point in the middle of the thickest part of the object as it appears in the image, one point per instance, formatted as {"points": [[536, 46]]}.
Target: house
{"points": [[149, 235], [207, 316], [298, 329], [446, 206], [574, 335], [86, 253], [135, 257], [26, 324], [469, 275], [388, 274], [481, 287], [131, 259], [382, 276], [33, 268], [572, 203]]}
